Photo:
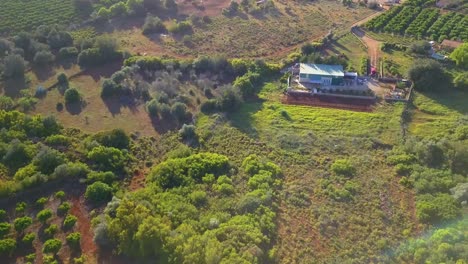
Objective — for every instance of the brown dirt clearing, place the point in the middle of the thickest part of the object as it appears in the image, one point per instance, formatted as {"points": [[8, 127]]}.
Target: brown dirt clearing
{"points": [[202, 7], [88, 247]]}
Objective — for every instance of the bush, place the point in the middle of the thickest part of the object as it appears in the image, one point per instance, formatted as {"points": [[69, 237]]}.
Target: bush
{"points": [[107, 158], [62, 81], [3, 215], [14, 66], [51, 230], [343, 167], [428, 75], [6, 103], [63, 208], [72, 96], [110, 88], [52, 246], [4, 229], [438, 208], [106, 177], [69, 221], [198, 198], [73, 240], [179, 111], [209, 106], [20, 207], [68, 52], [98, 192], [28, 239], [58, 140], [41, 202], [60, 195], [116, 138], [7, 247], [44, 215], [48, 159], [31, 257], [43, 58], [153, 25], [152, 107], [71, 170], [187, 132], [22, 223], [183, 27]]}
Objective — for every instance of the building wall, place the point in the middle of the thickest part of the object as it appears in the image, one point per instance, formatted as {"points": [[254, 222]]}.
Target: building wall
{"points": [[336, 80]]}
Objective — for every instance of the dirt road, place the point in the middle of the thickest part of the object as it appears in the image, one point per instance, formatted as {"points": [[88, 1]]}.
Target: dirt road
{"points": [[373, 46]]}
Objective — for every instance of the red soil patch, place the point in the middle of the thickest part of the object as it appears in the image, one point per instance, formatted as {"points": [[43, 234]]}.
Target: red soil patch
{"points": [[363, 105], [138, 181], [202, 7], [88, 247]]}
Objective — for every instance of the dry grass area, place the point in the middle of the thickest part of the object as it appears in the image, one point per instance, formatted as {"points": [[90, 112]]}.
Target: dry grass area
{"points": [[95, 114], [263, 34]]}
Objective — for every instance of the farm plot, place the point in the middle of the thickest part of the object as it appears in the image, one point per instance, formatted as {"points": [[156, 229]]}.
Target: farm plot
{"points": [[23, 15], [414, 21]]}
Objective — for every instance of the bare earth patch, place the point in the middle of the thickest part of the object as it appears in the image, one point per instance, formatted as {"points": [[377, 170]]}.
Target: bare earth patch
{"points": [[202, 7]]}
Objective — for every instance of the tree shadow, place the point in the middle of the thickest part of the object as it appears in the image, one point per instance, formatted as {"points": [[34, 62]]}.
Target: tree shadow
{"points": [[75, 108], [242, 118], [115, 103], [454, 100], [163, 125], [98, 72], [337, 44], [43, 73], [12, 87]]}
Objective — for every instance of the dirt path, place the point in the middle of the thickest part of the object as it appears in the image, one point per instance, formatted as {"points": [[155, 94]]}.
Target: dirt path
{"points": [[88, 247], [373, 46]]}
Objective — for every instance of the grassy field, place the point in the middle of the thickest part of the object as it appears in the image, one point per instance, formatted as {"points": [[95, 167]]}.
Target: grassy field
{"points": [[95, 114], [391, 38], [350, 46], [246, 35], [314, 225], [438, 114]]}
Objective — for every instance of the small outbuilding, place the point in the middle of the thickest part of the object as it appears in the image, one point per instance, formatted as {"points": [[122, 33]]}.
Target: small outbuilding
{"points": [[450, 44]]}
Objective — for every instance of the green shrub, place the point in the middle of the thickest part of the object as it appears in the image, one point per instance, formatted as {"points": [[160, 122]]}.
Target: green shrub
{"points": [[98, 192], [73, 240], [343, 167], [20, 207], [31, 257], [44, 215], [116, 138], [28, 239], [3, 215], [60, 195], [41, 202], [51, 230], [153, 25], [7, 247], [4, 229], [198, 198], [58, 140], [79, 260], [52, 246], [69, 221], [72, 96], [102, 176], [107, 158], [22, 223], [63, 208], [438, 208]]}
